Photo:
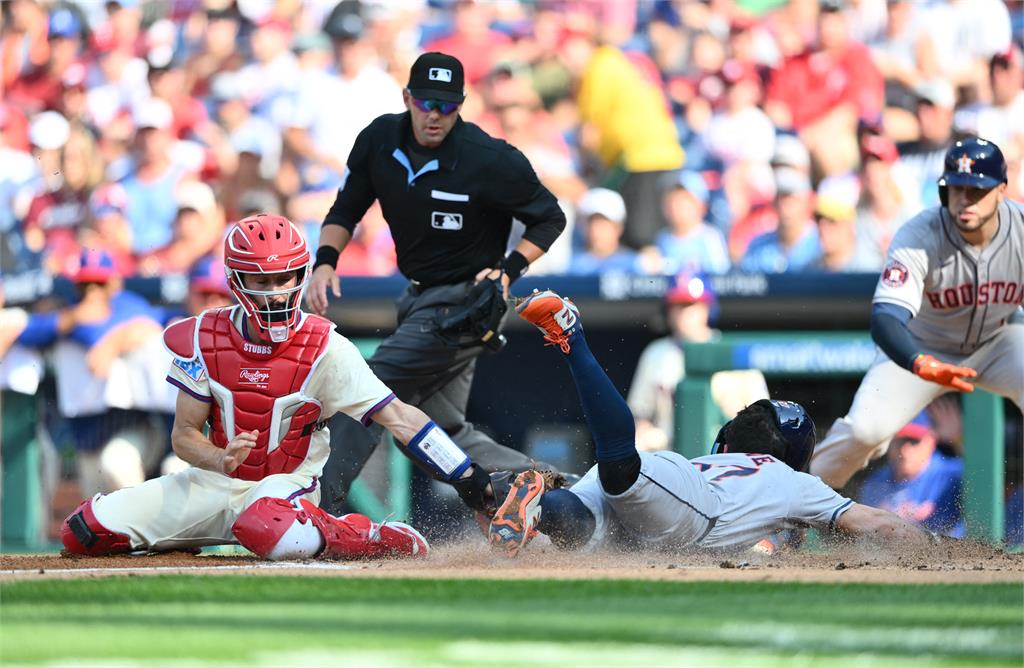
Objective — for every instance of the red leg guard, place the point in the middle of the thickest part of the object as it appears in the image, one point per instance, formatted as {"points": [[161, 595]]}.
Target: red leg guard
{"points": [[260, 526], [83, 534]]}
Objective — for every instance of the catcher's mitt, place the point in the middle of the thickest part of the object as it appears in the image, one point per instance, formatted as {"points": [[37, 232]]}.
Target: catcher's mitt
{"points": [[478, 317]]}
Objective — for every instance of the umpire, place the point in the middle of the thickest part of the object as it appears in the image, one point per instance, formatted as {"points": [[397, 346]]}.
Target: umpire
{"points": [[449, 192]]}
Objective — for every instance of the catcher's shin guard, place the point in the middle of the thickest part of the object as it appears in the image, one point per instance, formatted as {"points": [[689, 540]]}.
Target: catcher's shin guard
{"points": [[83, 534], [263, 525]]}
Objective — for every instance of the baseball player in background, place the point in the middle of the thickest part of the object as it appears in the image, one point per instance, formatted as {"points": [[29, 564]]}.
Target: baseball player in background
{"points": [[946, 314], [751, 486], [266, 377]]}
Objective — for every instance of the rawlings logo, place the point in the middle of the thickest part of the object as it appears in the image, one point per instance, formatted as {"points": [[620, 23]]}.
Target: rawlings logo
{"points": [[257, 349], [963, 165], [254, 376], [272, 258]]}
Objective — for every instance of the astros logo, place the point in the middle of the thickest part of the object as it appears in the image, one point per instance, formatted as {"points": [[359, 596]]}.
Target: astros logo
{"points": [[895, 274], [963, 165]]}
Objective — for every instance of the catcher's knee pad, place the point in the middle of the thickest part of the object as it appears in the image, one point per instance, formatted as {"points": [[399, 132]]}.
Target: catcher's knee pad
{"points": [[278, 529], [263, 524], [83, 534]]}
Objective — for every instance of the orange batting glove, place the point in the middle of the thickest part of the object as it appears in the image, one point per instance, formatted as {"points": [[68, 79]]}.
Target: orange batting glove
{"points": [[950, 375]]}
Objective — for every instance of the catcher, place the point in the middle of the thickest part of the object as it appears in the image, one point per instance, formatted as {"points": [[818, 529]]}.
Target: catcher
{"points": [[752, 485], [265, 377]]}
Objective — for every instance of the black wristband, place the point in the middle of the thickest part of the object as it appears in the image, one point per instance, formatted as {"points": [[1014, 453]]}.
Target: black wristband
{"points": [[514, 266], [473, 490], [327, 255]]}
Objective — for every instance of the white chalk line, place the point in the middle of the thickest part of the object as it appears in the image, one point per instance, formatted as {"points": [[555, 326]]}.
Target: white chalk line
{"points": [[274, 565]]}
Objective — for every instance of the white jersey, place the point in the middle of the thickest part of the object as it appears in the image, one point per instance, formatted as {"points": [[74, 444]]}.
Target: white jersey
{"points": [[960, 296], [342, 383], [726, 501]]}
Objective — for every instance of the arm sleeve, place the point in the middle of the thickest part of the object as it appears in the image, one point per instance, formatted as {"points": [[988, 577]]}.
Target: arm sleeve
{"points": [[519, 191], [40, 330], [814, 503], [345, 383], [356, 193], [889, 331]]}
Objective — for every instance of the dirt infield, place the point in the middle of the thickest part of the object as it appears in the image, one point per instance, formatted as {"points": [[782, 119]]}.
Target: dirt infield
{"points": [[951, 563]]}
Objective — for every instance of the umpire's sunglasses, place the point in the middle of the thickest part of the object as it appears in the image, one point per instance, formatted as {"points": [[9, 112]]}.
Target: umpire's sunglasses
{"points": [[427, 106]]}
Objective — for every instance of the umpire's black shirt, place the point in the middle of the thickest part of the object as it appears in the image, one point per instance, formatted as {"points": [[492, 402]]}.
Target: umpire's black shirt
{"points": [[452, 216]]}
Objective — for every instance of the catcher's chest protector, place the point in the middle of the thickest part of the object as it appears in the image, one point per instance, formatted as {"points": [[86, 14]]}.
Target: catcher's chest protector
{"points": [[260, 386]]}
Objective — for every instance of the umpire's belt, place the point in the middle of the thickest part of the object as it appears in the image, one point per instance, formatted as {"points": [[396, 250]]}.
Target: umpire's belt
{"points": [[417, 288]]}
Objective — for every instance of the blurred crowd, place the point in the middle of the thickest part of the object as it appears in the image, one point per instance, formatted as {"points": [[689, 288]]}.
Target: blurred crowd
{"points": [[679, 135]]}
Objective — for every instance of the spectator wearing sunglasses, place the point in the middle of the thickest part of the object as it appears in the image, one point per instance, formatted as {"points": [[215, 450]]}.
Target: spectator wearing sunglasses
{"points": [[448, 192]]}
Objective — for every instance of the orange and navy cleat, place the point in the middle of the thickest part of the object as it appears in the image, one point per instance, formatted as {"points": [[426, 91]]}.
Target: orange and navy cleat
{"points": [[552, 314], [514, 525]]}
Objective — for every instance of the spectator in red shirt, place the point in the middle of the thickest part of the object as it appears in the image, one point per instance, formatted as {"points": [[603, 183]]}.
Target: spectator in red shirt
{"points": [[823, 92], [472, 41], [168, 82], [55, 217], [39, 88], [25, 47]]}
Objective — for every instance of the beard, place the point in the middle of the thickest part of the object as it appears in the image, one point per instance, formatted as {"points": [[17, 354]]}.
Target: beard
{"points": [[275, 312]]}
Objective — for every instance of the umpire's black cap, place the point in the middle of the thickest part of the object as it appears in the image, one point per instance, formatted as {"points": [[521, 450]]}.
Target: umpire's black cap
{"points": [[437, 76]]}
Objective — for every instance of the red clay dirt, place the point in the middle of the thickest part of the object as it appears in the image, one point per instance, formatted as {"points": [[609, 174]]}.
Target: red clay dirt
{"points": [[961, 562]]}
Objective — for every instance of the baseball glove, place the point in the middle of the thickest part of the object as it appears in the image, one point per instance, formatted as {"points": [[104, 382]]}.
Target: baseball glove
{"points": [[478, 318]]}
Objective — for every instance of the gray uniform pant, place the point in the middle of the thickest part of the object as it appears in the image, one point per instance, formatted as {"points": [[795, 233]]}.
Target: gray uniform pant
{"points": [[426, 370]]}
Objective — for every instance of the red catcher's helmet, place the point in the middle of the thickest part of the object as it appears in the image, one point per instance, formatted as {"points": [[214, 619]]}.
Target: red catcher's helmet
{"points": [[267, 244]]}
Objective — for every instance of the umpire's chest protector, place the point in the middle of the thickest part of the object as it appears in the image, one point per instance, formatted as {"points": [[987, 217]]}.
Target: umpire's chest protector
{"points": [[261, 386]]}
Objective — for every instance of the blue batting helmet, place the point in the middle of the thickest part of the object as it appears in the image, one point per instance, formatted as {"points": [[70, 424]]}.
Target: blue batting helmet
{"points": [[974, 163], [795, 426]]}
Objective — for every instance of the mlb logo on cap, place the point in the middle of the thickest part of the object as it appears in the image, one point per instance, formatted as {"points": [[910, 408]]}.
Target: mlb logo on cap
{"points": [[437, 76], [440, 74]]}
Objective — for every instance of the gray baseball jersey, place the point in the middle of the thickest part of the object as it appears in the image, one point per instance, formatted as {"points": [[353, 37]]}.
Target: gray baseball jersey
{"points": [[726, 501], [960, 296], [966, 304]]}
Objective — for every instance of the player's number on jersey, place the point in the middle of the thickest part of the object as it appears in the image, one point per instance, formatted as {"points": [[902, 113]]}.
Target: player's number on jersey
{"points": [[734, 470]]}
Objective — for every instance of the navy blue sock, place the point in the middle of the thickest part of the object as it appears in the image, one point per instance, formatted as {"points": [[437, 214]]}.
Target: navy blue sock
{"points": [[608, 417], [565, 519]]}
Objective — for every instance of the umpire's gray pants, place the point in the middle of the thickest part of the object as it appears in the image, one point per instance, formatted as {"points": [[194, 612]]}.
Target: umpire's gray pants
{"points": [[426, 370]]}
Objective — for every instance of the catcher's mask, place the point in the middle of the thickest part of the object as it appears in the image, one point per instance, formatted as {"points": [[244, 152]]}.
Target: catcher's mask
{"points": [[267, 244], [794, 425]]}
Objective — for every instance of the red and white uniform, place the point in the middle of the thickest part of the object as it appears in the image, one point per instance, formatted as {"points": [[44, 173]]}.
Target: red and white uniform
{"points": [[286, 390]]}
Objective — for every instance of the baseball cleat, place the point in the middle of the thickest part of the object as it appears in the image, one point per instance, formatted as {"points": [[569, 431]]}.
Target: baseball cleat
{"points": [[514, 525], [398, 539], [390, 539], [552, 314]]}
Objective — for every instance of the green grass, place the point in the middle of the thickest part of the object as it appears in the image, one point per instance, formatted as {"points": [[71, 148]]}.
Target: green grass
{"points": [[248, 621]]}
